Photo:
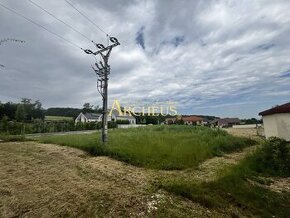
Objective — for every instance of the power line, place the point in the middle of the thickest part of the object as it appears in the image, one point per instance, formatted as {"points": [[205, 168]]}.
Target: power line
{"points": [[69, 26], [39, 25], [85, 16]]}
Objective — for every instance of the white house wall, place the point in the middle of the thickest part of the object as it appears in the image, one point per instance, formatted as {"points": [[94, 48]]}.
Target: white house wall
{"points": [[81, 118], [131, 120], [277, 125]]}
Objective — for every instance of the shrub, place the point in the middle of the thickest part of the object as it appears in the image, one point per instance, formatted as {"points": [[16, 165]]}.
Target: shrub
{"points": [[112, 125], [273, 158], [122, 122]]}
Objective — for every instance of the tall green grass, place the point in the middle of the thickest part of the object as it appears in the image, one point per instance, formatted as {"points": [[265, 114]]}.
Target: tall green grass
{"points": [[157, 147], [12, 138], [233, 186]]}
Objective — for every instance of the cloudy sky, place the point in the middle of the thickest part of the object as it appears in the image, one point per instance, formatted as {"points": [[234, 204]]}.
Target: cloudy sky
{"points": [[224, 58]]}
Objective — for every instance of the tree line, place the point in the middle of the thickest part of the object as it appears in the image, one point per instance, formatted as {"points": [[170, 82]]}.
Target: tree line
{"points": [[28, 116], [25, 111], [28, 110]]}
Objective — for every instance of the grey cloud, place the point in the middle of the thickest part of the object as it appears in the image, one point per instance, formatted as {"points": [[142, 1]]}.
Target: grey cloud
{"points": [[197, 53]]}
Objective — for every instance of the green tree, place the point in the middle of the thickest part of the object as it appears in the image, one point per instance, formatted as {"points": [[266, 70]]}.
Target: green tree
{"points": [[4, 123], [8, 109], [37, 110], [88, 108], [97, 109], [20, 113], [26, 100]]}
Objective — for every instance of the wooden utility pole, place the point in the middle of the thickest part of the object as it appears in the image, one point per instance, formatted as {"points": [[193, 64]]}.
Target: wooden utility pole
{"points": [[102, 71]]}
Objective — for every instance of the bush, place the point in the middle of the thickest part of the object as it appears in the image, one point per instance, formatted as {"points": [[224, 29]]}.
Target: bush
{"points": [[112, 125], [122, 122], [273, 158]]}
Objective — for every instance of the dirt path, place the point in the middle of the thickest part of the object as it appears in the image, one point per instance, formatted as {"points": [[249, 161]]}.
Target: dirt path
{"points": [[42, 180]]}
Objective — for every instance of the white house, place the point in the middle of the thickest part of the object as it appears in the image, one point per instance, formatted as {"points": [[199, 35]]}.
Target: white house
{"points": [[116, 116], [93, 117], [277, 121], [88, 117]]}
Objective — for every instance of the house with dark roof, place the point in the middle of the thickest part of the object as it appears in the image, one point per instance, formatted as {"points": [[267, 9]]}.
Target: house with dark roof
{"points": [[88, 117], [276, 121], [116, 116], [93, 117], [225, 122]]}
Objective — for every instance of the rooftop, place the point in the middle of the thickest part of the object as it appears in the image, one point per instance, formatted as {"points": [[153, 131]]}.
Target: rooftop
{"points": [[284, 108], [191, 119], [92, 115]]}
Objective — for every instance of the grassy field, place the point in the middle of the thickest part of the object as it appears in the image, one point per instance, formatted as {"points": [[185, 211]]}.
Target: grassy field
{"points": [[58, 118], [221, 177], [161, 147]]}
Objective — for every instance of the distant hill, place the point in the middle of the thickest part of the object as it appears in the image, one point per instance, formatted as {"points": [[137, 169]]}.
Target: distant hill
{"points": [[63, 112]]}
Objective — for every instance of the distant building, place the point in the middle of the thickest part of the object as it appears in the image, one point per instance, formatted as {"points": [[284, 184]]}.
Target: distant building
{"points": [[225, 122], [170, 120], [88, 117], [116, 116], [187, 119], [192, 120], [277, 121], [94, 117]]}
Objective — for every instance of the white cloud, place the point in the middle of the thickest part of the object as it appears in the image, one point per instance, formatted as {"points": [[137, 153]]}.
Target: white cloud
{"points": [[227, 51]]}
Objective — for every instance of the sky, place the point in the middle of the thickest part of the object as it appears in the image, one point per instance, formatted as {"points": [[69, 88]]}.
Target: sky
{"points": [[228, 58]]}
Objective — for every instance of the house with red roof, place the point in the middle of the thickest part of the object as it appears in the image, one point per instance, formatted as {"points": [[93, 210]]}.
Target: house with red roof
{"points": [[277, 121], [192, 120]]}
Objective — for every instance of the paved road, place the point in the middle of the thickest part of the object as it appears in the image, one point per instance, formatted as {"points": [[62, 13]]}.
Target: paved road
{"points": [[61, 133]]}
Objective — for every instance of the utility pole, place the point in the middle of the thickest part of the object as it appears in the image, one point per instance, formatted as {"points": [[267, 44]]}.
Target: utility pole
{"points": [[102, 71]]}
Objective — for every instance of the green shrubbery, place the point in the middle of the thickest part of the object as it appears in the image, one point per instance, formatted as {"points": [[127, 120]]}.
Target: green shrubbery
{"points": [[111, 125], [41, 126], [122, 122], [272, 159]]}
